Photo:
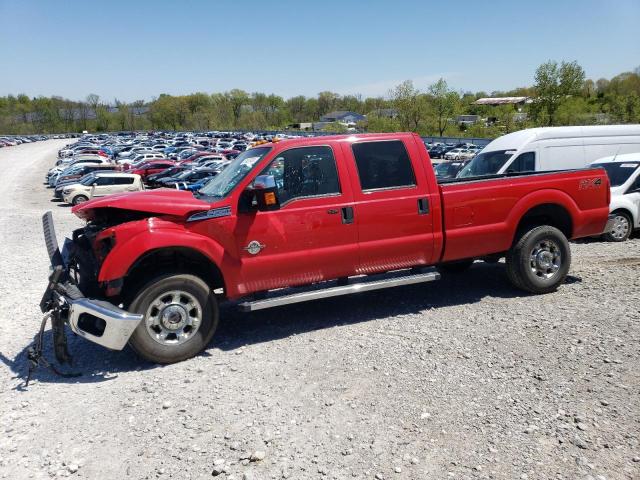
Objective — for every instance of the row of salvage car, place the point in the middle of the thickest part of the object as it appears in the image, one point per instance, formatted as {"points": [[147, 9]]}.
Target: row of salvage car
{"points": [[93, 168]]}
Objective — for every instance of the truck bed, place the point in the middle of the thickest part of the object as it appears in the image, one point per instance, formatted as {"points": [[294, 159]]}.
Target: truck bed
{"points": [[482, 214]]}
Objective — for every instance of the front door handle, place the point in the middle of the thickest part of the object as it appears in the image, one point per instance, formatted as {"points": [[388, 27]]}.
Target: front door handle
{"points": [[423, 206], [332, 211], [347, 215]]}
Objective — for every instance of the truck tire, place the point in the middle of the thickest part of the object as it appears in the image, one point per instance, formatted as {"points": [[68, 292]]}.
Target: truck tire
{"points": [[78, 199], [180, 318], [455, 267], [540, 260], [621, 228]]}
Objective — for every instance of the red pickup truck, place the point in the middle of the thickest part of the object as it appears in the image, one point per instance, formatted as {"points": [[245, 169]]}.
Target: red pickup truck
{"points": [[333, 213]]}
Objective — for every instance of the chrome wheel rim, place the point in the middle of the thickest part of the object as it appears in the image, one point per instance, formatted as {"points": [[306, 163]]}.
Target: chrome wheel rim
{"points": [[545, 259], [620, 227], [80, 199], [173, 317]]}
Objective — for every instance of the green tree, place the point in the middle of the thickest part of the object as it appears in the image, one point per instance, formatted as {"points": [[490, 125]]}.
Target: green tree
{"points": [[410, 104], [444, 103], [335, 127], [554, 83]]}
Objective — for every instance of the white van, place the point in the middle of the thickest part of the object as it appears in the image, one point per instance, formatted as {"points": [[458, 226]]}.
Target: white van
{"points": [[624, 176], [553, 148]]}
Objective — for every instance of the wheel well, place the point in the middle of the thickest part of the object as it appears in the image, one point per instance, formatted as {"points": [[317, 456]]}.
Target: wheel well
{"points": [[173, 260], [546, 214], [623, 210]]}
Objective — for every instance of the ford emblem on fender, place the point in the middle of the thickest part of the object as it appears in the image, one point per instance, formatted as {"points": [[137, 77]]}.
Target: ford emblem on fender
{"points": [[254, 247]]}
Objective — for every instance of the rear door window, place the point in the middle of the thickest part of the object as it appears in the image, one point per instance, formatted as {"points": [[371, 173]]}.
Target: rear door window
{"points": [[122, 180], [383, 165]]}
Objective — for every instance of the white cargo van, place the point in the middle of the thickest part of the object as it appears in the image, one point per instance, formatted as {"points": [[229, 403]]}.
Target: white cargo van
{"points": [[553, 148]]}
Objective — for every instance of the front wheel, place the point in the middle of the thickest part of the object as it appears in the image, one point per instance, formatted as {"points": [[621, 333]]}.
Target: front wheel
{"points": [[621, 228], [540, 260], [78, 199], [180, 318]]}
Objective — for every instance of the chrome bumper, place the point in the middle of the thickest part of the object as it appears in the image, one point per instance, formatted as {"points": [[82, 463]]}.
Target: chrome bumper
{"points": [[102, 322], [610, 223]]}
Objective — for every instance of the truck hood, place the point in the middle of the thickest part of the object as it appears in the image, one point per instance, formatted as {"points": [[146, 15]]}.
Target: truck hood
{"points": [[160, 202]]}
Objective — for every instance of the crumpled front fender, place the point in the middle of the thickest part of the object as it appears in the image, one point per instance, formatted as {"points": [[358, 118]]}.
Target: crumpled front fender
{"points": [[135, 239]]}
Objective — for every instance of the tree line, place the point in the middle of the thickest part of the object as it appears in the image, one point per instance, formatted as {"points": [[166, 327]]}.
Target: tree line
{"points": [[561, 95]]}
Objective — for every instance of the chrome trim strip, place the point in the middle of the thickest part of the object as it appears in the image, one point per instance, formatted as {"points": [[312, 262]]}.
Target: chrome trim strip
{"points": [[338, 291]]}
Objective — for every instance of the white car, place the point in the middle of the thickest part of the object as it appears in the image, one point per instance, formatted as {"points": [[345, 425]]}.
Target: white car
{"points": [[455, 154], [142, 157], [624, 176], [101, 184]]}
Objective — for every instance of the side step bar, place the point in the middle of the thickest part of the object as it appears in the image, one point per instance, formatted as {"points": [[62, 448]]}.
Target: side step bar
{"points": [[363, 286]]}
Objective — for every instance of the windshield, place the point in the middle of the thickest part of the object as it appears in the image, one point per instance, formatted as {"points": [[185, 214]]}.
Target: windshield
{"points": [[486, 163], [237, 170], [618, 172]]}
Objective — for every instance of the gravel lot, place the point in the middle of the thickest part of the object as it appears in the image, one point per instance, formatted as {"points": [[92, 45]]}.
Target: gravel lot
{"points": [[465, 378]]}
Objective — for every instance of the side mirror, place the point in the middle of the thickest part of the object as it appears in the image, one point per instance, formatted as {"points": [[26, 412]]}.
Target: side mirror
{"points": [[263, 193]]}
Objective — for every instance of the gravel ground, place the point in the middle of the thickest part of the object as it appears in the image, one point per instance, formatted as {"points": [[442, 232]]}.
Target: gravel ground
{"points": [[465, 378]]}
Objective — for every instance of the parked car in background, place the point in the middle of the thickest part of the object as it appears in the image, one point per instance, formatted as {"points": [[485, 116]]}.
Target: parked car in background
{"points": [[188, 176], [624, 176], [80, 170], [153, 180], [101, 184], [151, 167]]}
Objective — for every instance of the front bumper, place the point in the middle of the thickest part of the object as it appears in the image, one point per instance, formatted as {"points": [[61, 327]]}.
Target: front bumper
{"points": [[96, 320], [102, 322]]}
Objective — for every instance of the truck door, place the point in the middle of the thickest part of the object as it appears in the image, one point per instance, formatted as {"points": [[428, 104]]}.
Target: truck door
{"points": [[392, 204], [312, 236]]}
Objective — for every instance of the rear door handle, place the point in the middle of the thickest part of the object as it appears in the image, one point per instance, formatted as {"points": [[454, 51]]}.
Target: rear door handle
{"points": [[347, 215], [423, 206]]}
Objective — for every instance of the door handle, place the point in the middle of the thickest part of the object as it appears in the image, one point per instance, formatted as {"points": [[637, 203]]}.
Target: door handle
{"points": [[332, 212], [423, 206], [347, 215]]}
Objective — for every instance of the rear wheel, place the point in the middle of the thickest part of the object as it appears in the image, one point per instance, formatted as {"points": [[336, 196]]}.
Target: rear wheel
{"points": [[180, 318], [621, 228], [540, 260]]}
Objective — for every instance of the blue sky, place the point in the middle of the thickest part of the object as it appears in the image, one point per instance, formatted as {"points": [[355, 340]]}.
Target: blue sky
{"points": [[138, 49]]}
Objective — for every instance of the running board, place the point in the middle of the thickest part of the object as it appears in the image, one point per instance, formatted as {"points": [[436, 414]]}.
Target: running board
{"points": [[337, 291]]}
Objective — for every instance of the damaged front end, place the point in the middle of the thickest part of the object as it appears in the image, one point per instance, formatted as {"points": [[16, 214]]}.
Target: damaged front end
{"points": [[71, 283]]}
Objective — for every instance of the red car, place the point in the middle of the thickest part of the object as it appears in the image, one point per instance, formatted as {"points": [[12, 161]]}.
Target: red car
{"points": [[328, 211], [151, 167]]}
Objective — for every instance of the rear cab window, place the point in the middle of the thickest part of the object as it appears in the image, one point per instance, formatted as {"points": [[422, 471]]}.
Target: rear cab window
{"points": [[383, 165]]}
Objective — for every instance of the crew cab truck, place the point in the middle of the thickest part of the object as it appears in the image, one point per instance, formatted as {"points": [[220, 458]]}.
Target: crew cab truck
{"points": [[151, 268]]}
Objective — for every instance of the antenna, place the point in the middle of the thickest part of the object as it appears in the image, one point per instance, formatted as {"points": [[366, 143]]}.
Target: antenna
{"points": [[617, 152]]}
